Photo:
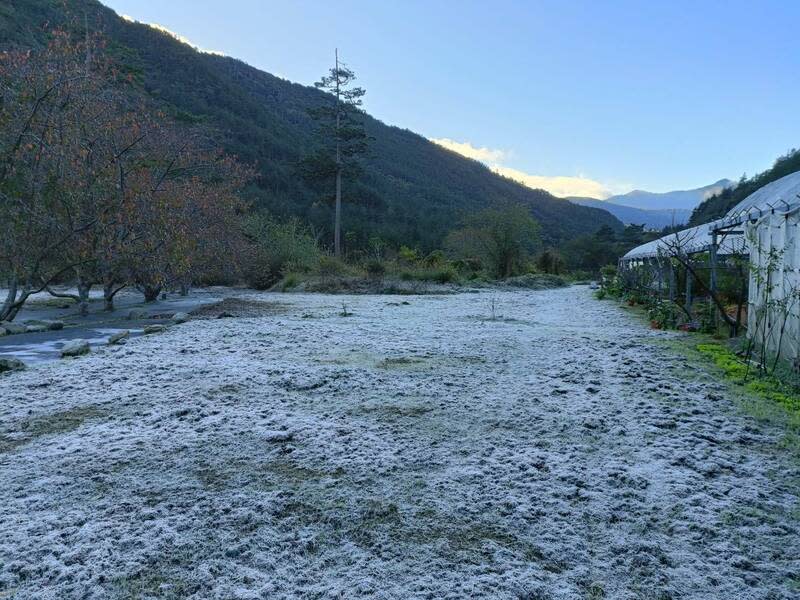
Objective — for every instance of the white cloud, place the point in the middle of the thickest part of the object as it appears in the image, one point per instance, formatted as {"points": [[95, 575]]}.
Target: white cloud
{"points": [[485, 155], [177, 36], [560, 186]]}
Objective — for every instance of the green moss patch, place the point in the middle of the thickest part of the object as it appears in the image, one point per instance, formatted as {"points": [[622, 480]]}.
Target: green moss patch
{"points": [[768, 388]]}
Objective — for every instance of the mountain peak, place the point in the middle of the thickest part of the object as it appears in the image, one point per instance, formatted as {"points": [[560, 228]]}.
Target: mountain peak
{"points": [[677, 199]]}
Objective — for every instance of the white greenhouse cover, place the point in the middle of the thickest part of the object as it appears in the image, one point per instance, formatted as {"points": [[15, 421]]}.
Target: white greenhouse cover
{"points": [[782, 194], [692, 240]]}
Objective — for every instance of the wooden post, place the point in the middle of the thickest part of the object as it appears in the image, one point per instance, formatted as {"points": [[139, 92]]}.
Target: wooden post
{"points": [[712, 263], [688, 305], [671, 281], [660, 272]]}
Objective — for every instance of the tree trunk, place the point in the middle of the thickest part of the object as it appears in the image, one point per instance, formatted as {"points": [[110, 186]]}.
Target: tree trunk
{"points": [[108, 296], [337, 227], [11, 297], [83, 297], [184, 289], [151, 292]]}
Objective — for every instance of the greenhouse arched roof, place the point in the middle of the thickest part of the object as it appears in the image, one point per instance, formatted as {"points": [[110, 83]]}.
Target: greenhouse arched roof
{"points": [[782, 194], [690, 241]]}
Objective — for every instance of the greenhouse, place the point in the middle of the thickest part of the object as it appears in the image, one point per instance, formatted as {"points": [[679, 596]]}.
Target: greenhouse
{"points": [[762, 232]]}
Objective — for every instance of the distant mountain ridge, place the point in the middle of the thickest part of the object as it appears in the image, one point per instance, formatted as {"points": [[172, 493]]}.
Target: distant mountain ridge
{"points": [[630, 215], [684, 199]]}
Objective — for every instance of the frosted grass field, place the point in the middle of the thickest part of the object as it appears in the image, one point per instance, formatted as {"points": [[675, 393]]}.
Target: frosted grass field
{"points": [[418, 450]]}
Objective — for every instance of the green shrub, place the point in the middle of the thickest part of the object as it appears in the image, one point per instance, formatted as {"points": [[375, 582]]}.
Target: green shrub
{"points": [[468, 266], [289, 281], [408, 255], [375, 268], [434, 259], [277, 247], [445, 275], [663, 314], [330, 266], [536, 281]]}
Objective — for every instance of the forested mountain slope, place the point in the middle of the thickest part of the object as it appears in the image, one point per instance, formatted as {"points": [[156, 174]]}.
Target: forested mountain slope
{"points": [[411, 191], [719, 204]]}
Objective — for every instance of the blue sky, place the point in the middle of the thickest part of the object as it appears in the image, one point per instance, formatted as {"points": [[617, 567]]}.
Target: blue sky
{"points": [[577, 97]]}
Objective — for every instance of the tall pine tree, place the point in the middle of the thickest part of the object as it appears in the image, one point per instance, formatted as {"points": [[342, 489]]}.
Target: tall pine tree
{"points": [[340, 135]]}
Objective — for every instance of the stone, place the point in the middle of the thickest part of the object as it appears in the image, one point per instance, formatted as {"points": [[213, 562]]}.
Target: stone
{"points": [[75, 348], [11, 364], [3, 331], [180, 317], [225, 315], [119, 338], [37, 326], [154, 329], [137, 314], [13, 328]]}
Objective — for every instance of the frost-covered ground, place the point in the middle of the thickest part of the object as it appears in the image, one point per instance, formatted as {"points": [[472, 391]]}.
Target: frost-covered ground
{"points": [[407, 451]]}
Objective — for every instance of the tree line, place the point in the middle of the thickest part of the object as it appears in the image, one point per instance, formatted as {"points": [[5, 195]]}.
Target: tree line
{"points": [[101, 187], [98, 186]]}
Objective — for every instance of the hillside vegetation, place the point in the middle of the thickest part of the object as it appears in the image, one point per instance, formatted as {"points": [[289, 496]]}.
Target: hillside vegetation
{"points": [[719, 204], [411, 191]]}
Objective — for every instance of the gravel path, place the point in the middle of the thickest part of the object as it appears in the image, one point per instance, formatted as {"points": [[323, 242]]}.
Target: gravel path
{"points": [[416, 450]]}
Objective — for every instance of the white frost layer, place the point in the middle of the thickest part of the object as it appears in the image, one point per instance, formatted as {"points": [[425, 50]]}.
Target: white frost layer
{"points": [[407, 451]]}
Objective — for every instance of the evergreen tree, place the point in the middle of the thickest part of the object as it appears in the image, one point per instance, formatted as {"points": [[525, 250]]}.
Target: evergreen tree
{"points": [[340, 135]]}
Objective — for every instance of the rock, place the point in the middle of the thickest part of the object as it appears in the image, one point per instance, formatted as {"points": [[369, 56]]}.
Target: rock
{"points": [[119, 337], [137, 314], [180, 317], [225, 315], [37, 326], [276, 437], [75, 348], [11, 364], [3, 331], [13, 328], [154, 329]]}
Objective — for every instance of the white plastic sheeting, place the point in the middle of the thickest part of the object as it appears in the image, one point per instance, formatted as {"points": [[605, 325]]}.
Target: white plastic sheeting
{"points": [[774, 286], [691, 241], [779, 196], [770, 218]]}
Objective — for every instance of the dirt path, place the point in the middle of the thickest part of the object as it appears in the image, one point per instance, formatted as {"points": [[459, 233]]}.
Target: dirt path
{"points": [[407, 451]]}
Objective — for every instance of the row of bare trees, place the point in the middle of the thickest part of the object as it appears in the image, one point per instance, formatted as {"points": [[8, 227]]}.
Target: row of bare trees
{"points": [[98, 187]]}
